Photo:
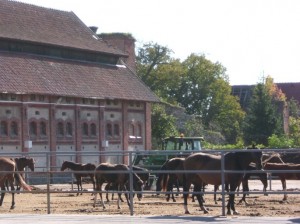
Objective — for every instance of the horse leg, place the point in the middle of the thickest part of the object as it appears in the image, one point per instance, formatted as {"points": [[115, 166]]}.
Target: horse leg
{"points": [[177, 186], [2, 194], [283, 182], [12, 196], [245, 185], [106, 189], [170, 191], [230, 204], [186, 187], [199, 196], [216, 187], [78, 183]]}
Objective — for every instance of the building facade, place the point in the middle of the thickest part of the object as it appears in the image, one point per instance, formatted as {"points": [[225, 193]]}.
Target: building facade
{"points": [[65, 89]]}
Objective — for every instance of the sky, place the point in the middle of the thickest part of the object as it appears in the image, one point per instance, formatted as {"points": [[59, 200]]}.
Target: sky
{"points": [[252, 39]]}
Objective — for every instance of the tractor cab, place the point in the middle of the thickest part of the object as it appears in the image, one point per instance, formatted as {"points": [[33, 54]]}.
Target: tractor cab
{"points": [[182, 143]]}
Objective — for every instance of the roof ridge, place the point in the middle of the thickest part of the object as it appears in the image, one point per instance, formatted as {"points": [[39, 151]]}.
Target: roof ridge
{"points": [[33, 5]]}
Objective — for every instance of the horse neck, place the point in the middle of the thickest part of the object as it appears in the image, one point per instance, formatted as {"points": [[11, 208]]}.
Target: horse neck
{"points": [[245, 158]]}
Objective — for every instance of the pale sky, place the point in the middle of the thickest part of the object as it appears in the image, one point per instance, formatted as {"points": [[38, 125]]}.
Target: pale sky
{"points": [[250, 38]]}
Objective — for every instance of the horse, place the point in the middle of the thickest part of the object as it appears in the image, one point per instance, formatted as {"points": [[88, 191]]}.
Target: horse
{"points": [[120, 177], [22, 163], [143, 175], [166, 181], [236, 161], [78, 175], [284, 176], [7, 175]]}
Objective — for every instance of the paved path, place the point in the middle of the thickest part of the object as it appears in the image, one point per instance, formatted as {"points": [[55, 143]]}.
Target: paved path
{"points": [[116, 219]]}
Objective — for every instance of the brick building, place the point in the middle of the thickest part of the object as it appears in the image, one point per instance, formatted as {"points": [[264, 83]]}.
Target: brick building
{"points": [[63, 88]]}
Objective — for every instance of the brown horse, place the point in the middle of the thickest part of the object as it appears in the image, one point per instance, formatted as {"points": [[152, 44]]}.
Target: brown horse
{"points": [[7, 175], [117, 174], [284, 176], [236, 161], [22, 163], [83, 168], [166, 181]]}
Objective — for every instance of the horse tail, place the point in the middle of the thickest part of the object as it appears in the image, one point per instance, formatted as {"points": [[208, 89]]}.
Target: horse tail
{"points": [[164, 178], [22, 182]]}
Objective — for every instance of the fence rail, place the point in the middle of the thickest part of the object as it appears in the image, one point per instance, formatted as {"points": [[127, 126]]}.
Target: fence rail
{"points": [[52, 174]]}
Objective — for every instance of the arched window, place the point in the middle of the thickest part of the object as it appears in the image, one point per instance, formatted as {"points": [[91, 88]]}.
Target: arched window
{"points": [[69, 129], [93, 130], [43, 129], [116, 130], [139, 130], [60, 129], [13, 129], [3, 128], [108, 130], [131, 130], [85, 129], [32, 129]]}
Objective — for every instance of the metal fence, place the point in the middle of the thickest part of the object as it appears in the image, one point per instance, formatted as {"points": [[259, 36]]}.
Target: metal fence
{"points": [[49, 175]]}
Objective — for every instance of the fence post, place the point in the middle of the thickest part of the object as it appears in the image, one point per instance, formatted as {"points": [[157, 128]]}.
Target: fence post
{"points": [[48, 182], [223, 182], [131, 183]]}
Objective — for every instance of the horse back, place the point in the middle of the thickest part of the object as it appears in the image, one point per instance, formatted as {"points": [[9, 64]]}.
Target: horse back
{"points": [[284, 166], [202, 161]]}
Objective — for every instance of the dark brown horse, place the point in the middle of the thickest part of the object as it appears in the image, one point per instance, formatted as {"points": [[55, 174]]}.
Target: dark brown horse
{"points": [[83, 168], [236, 161], [284, 176], [117, 174], [142, 173], [7, 175], [166, 181]]}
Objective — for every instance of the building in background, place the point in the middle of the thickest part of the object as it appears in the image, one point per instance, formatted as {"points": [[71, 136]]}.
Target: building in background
{"points": [[63, 88]]}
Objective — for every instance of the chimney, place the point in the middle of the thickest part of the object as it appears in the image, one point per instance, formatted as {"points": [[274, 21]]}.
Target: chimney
{"points": [[124, 42], [94, 28]]}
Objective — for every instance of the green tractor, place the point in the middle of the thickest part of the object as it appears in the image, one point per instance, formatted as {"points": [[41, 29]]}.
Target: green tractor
{"points": [[171, 147]]}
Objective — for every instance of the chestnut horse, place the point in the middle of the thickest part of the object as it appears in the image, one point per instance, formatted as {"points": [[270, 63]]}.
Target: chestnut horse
{"points": [[284, 176], [83, 168], [236, 161], [7, 175], [117, 174]]}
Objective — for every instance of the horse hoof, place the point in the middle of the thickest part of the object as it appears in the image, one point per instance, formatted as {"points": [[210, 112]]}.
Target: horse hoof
{"points": [[236, 213], [187, 212], [206, 212]]}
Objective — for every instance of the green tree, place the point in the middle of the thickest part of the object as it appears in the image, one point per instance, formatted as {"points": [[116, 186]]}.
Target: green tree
{"points": [[149, 57], [163, 125], [262, 118], [205, 92]]}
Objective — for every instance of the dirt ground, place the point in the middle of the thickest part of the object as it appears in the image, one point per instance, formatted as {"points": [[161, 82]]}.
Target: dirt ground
{"points": [[62, 202]]}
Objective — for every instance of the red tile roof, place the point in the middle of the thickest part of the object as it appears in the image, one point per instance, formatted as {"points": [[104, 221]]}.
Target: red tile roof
{"points": [[291, 90], [27, 74], [27, 22]]}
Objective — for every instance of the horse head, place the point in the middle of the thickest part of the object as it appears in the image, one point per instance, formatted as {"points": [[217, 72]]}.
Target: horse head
{"points": [[31, 163], [63, 166], [138, 185]]}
